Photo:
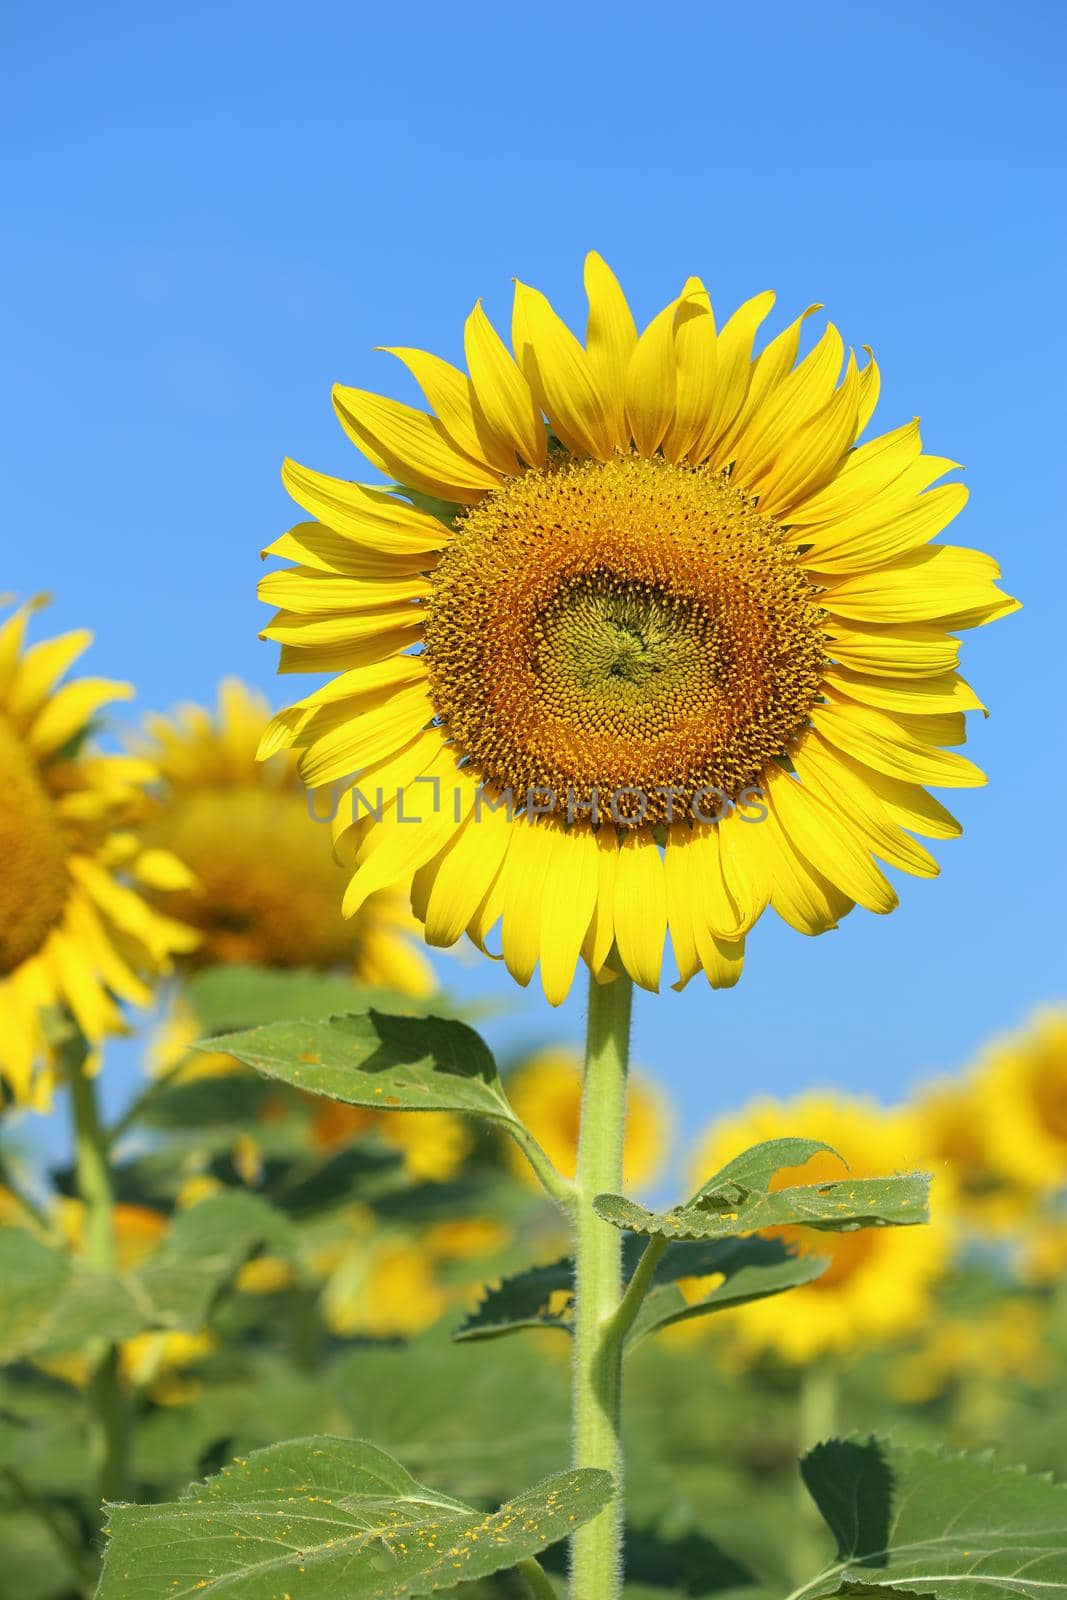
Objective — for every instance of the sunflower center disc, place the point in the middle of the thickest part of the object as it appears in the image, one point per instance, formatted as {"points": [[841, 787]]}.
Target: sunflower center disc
{"points": [[626, 628], [266, 890], [33, 883]]}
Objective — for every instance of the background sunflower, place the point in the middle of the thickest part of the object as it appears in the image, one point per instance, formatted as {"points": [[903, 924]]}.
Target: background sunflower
{"points": [[77, 933]]}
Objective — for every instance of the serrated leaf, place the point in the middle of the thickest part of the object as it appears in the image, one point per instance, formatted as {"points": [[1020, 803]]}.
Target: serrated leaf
{"points": [[522, 1301], [327, 1517], [928, 1522], [752, 1268], [738, 1199], [389, 1063]]}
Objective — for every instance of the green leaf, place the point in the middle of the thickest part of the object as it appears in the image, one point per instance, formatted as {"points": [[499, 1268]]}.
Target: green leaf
{"points": [[929, 1522], [738, 1200], [229, 997], [522, 1301], [59, 1305], [324, 1518], [204, 1248], [33, 1276], [752, 1268], [390, 1063], [754, 1168]]}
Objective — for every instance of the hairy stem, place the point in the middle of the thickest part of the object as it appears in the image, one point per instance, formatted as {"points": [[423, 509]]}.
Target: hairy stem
{"points": [[596, 1549], [92, 1166]]}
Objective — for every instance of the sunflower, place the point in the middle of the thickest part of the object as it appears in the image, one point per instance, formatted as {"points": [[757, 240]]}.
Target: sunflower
{"points": [[958, 1141], [76, 935], [682, 654], [1023, 1080], [878, 1281], [546, 1093], [266, 891]]}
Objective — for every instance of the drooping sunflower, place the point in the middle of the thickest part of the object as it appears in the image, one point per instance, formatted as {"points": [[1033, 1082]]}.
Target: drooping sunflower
{"points": [[546, 1092], [266, 890], [879, 1280], [639, 633], [77, 935]]}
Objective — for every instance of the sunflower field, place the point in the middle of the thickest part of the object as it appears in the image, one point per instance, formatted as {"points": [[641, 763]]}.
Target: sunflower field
{"points": [[533, 1060]]}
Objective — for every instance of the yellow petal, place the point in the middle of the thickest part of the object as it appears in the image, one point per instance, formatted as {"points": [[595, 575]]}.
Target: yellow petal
{"points": [[769, 369], [811, 454], [368, 516], [560, 375], [308, 591], [464, 872], [344, 738], [877, 477], [70, 709], [299, 653], [696, 369], [650, 383], [610, 339], [822, 838], [378, 625], [855, 544], [312, 544], [733, 372], [523, 882], [161, 869], [793, 400], [916, 651], [936, 581], [40, 667], [450, 396], [567, 905], [413, 829], [946, 691], [802, 896], [601, 934], [841, 784], [880, 741], [640, 907], [504, 406], [411, 447], [870, 388]]}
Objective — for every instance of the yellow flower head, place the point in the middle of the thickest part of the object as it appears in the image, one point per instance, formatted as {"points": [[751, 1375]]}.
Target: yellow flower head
{"points": [[877, 1285], [958, 1143], [76, 933], [546, 1091], [1023, 1080], [384, 1289], [267, 888], [591, 656]]}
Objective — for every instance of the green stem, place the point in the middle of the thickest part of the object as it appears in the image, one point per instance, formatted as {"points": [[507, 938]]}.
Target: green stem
{"points": [[817, 1407], [555, 1185], [537, 1579], [92, 1167], [596, 1549]]}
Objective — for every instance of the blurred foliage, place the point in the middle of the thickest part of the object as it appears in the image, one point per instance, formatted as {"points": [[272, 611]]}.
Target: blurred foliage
{"points": [[283, 1274]]}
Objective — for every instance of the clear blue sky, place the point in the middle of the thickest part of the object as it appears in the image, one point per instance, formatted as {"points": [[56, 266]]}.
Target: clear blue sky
{"points": [[211, 213]]}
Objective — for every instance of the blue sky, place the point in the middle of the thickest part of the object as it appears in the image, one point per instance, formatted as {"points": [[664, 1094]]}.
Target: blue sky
{"points": [[213, 213]]}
